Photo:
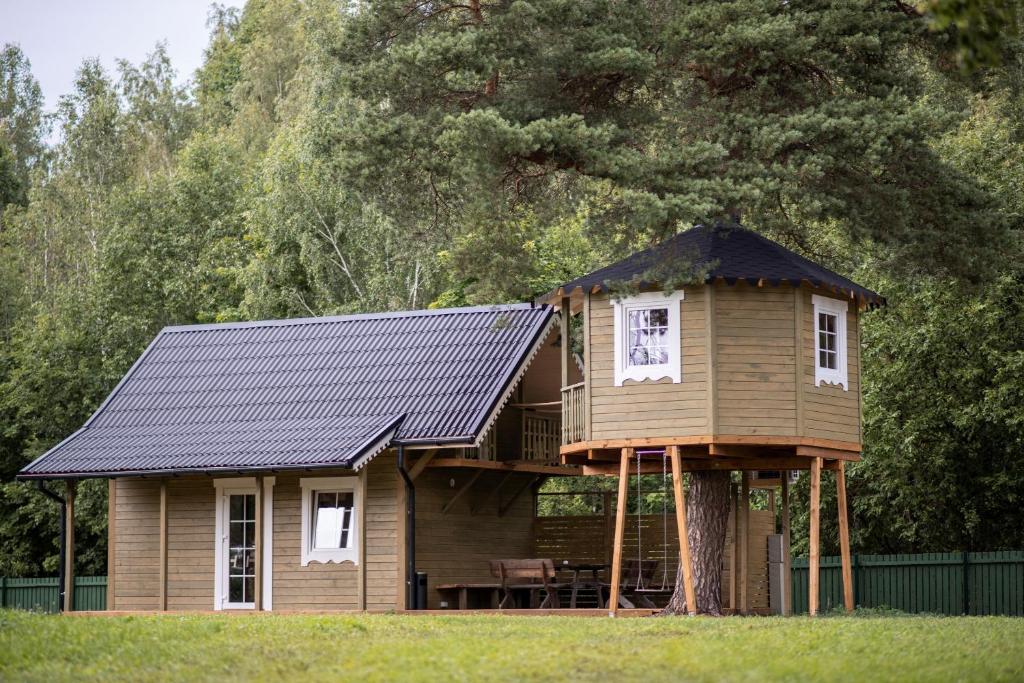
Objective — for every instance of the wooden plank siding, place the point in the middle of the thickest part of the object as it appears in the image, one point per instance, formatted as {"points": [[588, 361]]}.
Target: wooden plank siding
{"points": [[759, 353], [191, 543], [136, 567], [455, 547], [191, 546], [755, 363], [830, 412], [647, 409]]}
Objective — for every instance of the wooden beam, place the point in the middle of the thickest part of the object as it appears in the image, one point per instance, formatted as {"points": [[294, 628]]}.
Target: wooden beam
{"points": [[111, 542], [827, 453], [681, 528], [473, 509], [531, 467], [69, 547], [588, 386], [721, 450], [163, 547], [744, 543], [734, 501], [706, 439], [698, 465], [566, 347], [844, 538], [814, 541], [258, 569], [799, 346], [711, 358], [462, 490], [787, 588], [620, 531], [421, 463], [504, 507]]}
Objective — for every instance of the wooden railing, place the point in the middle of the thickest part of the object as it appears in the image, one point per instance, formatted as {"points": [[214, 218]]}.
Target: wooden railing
{"points": [[540, 436], [573, 413]]}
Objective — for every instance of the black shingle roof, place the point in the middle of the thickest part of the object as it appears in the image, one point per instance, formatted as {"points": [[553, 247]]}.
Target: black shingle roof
{"points": [[312, 392], [729, 252]]}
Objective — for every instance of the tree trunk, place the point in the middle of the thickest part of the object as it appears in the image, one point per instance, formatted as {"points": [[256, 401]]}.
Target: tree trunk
{"points": [[707, 513]]}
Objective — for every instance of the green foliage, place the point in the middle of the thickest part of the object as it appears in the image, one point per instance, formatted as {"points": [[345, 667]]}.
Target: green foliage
{"points": [[394, 156], [36, 647]]}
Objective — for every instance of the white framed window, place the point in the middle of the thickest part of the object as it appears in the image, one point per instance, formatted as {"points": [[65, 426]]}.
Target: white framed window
{"points": [[647, 340], [236, 546], [830, 365], [330, 519]]}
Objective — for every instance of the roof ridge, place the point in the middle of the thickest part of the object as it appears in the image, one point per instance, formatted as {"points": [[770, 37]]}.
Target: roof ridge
{"points": [[381, 315]]}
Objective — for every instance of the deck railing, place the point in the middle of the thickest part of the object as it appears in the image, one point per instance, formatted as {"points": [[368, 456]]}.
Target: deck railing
{"points": [[573, 412], [540, 436]]}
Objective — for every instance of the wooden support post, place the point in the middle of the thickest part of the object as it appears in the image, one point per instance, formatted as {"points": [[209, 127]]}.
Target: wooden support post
{"points": [[566, 349], [787, 580], [461, 492], [743, 510], [258, 569], [620, 531], [111, 542], [844, 537], [814, 540], [69, 547], [163, 547], [421, 464], [684, 537], [733, 564]]}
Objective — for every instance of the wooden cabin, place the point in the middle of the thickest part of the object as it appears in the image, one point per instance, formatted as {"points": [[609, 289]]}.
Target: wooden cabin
{"points": [[326, 463]]}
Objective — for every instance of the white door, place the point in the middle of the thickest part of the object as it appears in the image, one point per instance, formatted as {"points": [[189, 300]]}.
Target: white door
{"points": [[238, 549]]}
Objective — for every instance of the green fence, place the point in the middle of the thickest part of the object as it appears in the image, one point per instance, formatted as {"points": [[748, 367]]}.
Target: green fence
{"points": [[937, 583], [43, 594]]}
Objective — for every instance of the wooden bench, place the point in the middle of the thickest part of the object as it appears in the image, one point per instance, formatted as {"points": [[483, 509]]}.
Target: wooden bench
{"points": [[530, 576], [470, 595]]}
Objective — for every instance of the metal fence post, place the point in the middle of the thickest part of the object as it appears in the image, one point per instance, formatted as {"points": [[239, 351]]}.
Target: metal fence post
{"points": [[856, 580], [967, 584], [3, 591]]}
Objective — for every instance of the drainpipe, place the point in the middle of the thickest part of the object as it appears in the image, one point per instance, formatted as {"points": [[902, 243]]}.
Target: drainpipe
{"points": [[63, 541], [410, 532]]}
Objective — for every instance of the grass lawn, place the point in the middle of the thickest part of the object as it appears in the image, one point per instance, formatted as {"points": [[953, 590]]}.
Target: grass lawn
{"points": [[36, 647]]}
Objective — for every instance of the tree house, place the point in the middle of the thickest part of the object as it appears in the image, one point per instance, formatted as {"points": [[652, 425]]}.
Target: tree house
{"points": [[754, 367]]}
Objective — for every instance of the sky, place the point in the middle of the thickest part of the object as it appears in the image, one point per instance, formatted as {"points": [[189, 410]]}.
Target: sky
{"points": [[56, 35]]}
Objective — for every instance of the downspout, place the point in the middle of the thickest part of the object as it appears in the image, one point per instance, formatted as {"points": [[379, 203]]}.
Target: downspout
{"points": [[63, 540], [410, 532]]}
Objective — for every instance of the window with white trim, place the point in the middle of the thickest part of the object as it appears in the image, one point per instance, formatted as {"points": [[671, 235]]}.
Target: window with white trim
{"points": [[830, 364], [647, 341], [330, 519]]}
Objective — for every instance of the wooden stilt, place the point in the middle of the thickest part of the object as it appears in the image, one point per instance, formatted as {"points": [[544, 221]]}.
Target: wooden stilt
{"points": [[787, 588], [620, 531], [163, 547], [258, 570], [69, 547], [814, 538], [744, 543], [733, 564], [844, 538], [111, 542], [684, 537]]}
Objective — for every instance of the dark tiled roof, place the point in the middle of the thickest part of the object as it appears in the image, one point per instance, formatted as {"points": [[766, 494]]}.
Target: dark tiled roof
{"points": [[313, 392], [731, 253]]}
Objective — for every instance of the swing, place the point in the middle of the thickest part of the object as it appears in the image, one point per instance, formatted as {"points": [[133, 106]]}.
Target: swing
{"points": [[645, 569]]}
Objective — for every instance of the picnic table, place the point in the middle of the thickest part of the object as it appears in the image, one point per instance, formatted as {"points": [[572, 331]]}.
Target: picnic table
{"points": [[537, 582]]}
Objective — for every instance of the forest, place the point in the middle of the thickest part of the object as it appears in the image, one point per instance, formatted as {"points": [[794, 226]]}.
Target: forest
{"points": [[334, 157]]}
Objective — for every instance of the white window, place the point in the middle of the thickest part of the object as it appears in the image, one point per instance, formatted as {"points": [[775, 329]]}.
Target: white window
{"points": [[647, 342], [330, 519], [830, 341], [235, 570]]}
